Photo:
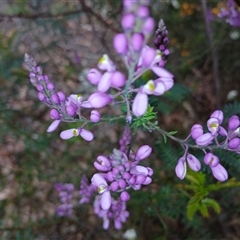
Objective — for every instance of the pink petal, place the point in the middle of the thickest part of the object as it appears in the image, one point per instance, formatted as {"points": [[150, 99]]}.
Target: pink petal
{"points": [[86, 135], [97, 180], [53, 126], [140, 104], [161, 72], [67, 134], [105, 82], [106, 200]]}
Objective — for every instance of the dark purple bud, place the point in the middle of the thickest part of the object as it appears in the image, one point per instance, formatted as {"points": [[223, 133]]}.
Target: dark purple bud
{"points": [[234, 143], [124, 196], [233, 123]]}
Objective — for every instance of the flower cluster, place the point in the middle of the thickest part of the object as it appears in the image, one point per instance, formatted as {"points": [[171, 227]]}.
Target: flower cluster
{"points": [[62, 108], [161, 42], [65, 193], [121, 173], [86, 190], [230, 140], [230, 12], [117, 212]]}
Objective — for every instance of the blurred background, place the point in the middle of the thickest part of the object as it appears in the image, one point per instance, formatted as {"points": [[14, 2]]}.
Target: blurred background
{"points": [[67, 38]]}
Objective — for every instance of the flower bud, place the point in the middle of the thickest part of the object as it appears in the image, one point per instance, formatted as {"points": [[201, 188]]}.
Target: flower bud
{"points": [[95, 116], [148, 56], [41, 96], [120, 43], [114, 186], [94, 76], [118, 79], [234, 143], [211, 160], [196, 131], [143, 12], [233, 123], [193, 162], [204, 139], [124, 196], [54, 114], [61, 96], [128, 21], [143, 152], [218, 115], [181, 168], [219, 172], [148, 25], [137, 41], [50, 86]]}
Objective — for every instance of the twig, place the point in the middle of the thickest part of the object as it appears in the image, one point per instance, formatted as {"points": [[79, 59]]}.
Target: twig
{"points": [[213, 53]]}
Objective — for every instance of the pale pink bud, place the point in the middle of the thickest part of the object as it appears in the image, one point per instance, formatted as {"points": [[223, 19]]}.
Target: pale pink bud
{"points": [[118, 79], [54, 114], [219, 172], [143, 152], [193, 163], [148, 56], [143, 12], [137, 41], [234, 143], [196, 131], [95, 116], [233, 123], [140, 104], [124, 196], [99, 100], [120, 43], [128, 21], [181, 168], [148, 25], [211, 160], [218, 114], [94, 76]]}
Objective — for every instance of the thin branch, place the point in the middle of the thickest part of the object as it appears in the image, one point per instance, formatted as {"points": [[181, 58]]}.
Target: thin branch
{"points": [[213, 54], [39, 15], [85, 8]]}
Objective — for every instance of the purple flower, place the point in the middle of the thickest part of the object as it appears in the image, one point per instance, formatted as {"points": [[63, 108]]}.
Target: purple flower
{"points": [[74, 132], [143, 152], [233, 123], [98, 100], [94, 76], [103, 189]]}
